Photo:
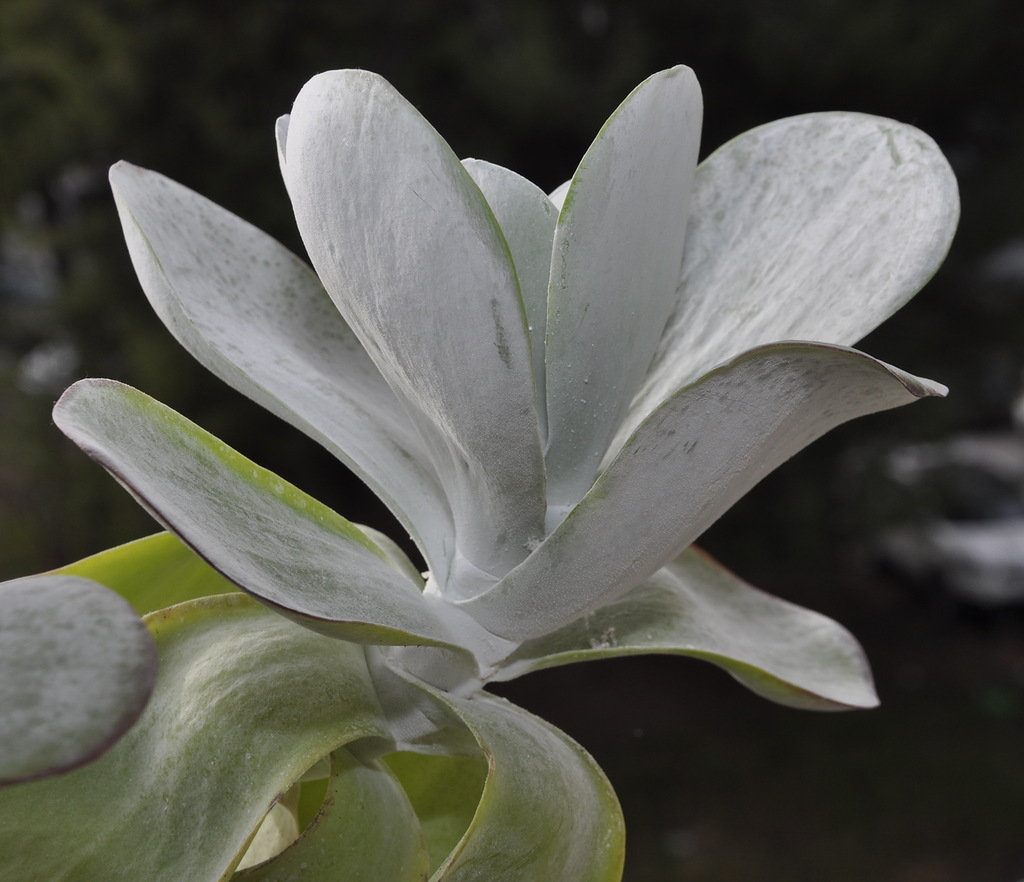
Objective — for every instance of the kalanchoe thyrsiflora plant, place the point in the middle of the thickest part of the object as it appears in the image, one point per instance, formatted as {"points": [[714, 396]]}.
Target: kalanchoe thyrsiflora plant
{"points": [[554, 394]]}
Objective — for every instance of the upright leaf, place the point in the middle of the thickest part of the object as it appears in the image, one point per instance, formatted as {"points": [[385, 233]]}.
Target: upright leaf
{"points": [[614, 272], [257, 316], [408, 248], [527, 219]]}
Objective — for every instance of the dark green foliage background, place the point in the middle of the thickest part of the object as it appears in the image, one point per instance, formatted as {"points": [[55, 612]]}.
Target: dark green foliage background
{"points": [[192, 89]]}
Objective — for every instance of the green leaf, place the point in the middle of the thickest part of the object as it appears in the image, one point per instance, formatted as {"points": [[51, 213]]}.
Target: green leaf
{"points": [[279, 829], [685, 465], [76, 669], [266, 536], [244, 702], [817, 227], [527, 219], [444, 792], [258, 317], [695, 607], [408, 248], [546, 812], [614, 273], [366, 829], [152, 573]]}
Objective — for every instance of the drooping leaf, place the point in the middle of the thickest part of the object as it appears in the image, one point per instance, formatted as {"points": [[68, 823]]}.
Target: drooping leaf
{"points": [[266, 536], [244, 702], [258, 318], [76, 669], [695, 607], [684, 466], [152, 573], [614, 272], [408, 248], [366, 829], [817, 227]]}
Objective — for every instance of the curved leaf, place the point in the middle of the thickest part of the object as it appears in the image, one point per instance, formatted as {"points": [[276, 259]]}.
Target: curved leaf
{"points": [[279, 829], [245, 701], [444, 792], [152, 573], [546, 812], [817, 227], [688, 463], [695, 607], [257, 317], [76, 669], [614, 272], [266, 536], [366, 829], [408, 248]]}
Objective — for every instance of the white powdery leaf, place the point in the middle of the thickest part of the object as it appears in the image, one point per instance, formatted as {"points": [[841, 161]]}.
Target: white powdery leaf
{"points": [[256, 316], [686, 464], [816, 227], [77, 666], [614, 271], [408, 248]]}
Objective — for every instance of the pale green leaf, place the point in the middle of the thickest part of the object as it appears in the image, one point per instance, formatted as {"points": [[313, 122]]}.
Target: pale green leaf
{"points": [[408, 248], [76, 669], [695, 607], [546, 812], [265, 535], [366, 829], [527, 219], [418, 722], [816, 227], [258, 317], [614, 273], [152, 573], [686, 464], [444, 792], [279, 829], [244, 702]]}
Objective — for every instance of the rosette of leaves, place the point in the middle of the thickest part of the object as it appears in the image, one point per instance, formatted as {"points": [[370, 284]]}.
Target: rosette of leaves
{"points": [[554, 394]]}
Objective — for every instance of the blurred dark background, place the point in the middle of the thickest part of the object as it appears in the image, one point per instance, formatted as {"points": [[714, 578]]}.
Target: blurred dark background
{"points": [[716, 784]]}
